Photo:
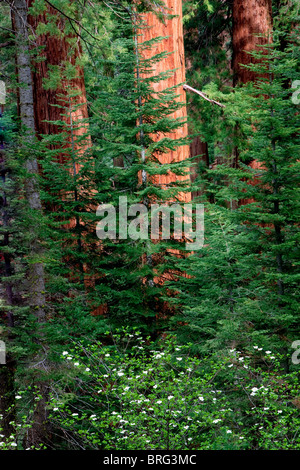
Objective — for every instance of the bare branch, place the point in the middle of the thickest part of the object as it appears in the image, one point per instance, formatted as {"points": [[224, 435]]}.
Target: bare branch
{"points": [[189, 88]]}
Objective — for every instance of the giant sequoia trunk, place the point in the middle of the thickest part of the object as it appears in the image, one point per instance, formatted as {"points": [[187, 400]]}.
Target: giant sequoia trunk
{"points": [[252, 28], [172, 31], [252, 22], [65, 102], [55, 104]]}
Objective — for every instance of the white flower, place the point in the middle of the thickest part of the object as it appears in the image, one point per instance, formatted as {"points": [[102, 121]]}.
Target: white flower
{"points": [[13, 444], [229, 432], [126, 388], [87, 369], [230, 365], [201, 398], [170, 397], [254, 389], [255, 347], [55, 409], [65, 353], [74, 414], [268, 352], [120, 374], [241, 437], [155, 386], [17, 397], [179, 358], [279, 411], [185, 427], [69, 358], [216, 420], [107, 355], [159, 402]]}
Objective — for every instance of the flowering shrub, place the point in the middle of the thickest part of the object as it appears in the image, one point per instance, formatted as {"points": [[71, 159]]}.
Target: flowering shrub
{"points": [[133, 394]]}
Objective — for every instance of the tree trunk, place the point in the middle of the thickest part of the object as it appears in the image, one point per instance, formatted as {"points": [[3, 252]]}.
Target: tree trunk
{"points": [[36, 282], [250, 18], [173, 43], [55, 51], [66, 102]]}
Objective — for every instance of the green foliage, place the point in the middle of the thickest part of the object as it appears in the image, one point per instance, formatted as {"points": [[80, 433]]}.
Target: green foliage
{"points": [[135, 394]]}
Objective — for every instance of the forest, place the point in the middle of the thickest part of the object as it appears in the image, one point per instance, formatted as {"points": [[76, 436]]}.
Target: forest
{"points": [[149, 215]]}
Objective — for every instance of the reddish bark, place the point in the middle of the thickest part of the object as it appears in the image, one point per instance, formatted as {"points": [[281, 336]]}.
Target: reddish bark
{"points": [[172, 31], [250, 18], [55, 51]]}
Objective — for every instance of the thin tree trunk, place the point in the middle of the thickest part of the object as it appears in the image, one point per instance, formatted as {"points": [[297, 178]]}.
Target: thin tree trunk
{"points": [[36, 277]]}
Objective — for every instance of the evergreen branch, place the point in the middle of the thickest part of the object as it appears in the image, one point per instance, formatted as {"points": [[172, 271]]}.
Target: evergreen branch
{"points": [[187, 87], [70, 18]]}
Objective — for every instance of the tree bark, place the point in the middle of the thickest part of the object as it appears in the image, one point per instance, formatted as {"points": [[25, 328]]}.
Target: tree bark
{"points": [[172, 31], [250, 18], [55, 51], [36, 281]]}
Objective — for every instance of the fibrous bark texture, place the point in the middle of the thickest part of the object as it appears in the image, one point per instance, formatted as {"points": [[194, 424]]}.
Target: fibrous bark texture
{"points": [[172, 31], [251, 18], [67, 102]]}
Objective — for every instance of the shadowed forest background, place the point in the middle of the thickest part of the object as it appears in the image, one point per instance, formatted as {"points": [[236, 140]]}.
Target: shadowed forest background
{"points": [[136, 343]]}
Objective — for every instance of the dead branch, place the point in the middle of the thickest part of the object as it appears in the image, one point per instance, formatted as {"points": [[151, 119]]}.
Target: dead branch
{"points": [[187, 87]]}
